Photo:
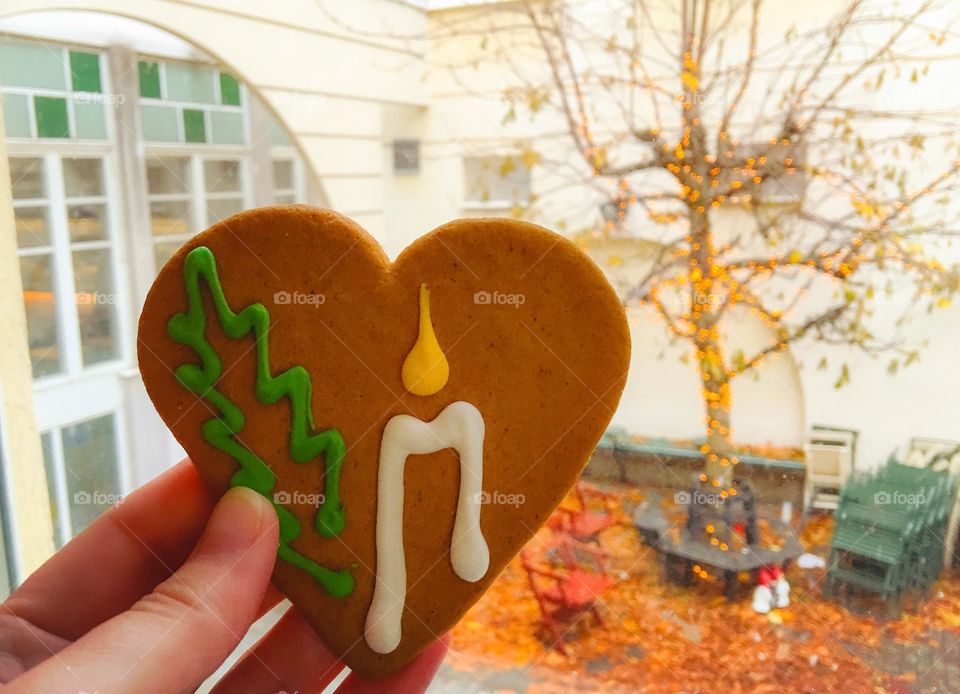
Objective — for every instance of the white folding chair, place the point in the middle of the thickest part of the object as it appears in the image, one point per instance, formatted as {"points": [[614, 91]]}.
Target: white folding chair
{"points": [[828, 455]]}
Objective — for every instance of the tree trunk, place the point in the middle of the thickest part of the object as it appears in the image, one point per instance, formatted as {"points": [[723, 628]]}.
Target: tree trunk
{"points": [[706, 299], [719, 454]]}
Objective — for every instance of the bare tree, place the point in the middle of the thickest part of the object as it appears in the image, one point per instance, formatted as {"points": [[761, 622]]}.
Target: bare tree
{"points": [[681, 111]]}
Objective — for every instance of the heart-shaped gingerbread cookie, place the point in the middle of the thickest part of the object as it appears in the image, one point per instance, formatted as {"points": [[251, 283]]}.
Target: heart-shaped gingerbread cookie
{"points": [[413, 422]]}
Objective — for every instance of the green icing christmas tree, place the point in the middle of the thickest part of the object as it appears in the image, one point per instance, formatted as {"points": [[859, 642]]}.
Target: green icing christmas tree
{"points": [[223, 430]]}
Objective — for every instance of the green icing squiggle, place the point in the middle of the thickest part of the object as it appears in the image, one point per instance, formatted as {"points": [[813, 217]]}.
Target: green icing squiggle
{"points": [[221, 432]]}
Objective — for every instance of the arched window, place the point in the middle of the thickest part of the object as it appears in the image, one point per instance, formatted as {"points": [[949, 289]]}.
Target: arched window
{"points": [[123, 142]]}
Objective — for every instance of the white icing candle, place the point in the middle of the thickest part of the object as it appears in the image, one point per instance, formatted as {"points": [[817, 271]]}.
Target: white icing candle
{"points": [[460, 426]]}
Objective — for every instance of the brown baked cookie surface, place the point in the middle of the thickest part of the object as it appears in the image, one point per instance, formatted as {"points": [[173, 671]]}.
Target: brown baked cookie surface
{"points": [[413, 422]]}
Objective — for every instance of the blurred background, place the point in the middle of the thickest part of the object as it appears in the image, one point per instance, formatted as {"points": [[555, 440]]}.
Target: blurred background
{"points": [[769, 186]]}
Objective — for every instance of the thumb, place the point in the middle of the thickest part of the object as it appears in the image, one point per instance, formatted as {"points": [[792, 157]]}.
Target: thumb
{"points": [[173, 638]]}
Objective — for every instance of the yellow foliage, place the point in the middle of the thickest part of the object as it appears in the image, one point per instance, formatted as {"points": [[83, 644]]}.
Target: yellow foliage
{"points": [[690, 81]]}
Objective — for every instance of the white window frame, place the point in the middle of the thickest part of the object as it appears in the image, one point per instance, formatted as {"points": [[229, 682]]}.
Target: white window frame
{"points": [[299, 189], [59, 485], [68, 322]]}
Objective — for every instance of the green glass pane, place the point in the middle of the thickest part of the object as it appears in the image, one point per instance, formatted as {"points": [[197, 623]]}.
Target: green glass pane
{"points": [[85, 71], [51, 116], [89, 121], [31, 65], [229, 90], [189, 83], [90, 468], [159, 123], [193, 125], [226, 128], [16, 115], [149, 79]]}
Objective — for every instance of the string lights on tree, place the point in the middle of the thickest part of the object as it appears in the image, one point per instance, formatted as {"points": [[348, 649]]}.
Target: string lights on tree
{"points": [[681, 124]]}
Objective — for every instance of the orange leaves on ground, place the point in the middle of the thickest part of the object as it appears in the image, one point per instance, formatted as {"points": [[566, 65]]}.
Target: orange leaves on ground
{"points": [[660, 637]]}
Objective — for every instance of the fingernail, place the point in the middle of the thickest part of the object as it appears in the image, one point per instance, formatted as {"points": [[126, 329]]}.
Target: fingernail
{"points": [[238, 520]]}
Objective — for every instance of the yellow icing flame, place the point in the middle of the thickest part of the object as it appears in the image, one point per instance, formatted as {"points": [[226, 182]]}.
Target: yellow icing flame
{"points": [[425, 370]]}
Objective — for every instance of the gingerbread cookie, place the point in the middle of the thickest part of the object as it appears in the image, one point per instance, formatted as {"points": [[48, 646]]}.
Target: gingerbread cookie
{"points": [[414, 423]]}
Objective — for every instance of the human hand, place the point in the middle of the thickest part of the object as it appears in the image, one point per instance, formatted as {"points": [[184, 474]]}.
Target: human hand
{"points": [[156, 594]]}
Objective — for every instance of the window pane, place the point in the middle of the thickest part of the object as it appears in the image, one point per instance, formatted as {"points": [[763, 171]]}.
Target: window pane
{"points": [[90, 466], [189, 83], [82, 177], [163, 251], [278, 136], [284, 199], [26, 177], [221, 209], [16, 115], [221, 175], [85, 71], [170, 217], [87, 222], [46, 442], [149, 79], [229, 90], [32, 229], [160, 123], [96, 304], [168, 175], [38, 298], [51, 116], [89, 121], [194, 125], [33, 64], [226, 128], [282, 173]]}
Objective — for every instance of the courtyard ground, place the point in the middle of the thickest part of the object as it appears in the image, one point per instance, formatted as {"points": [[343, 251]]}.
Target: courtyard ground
{"points": [[659, 637]]}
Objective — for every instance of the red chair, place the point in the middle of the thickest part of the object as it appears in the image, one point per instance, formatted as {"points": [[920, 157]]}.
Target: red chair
{"points": [[563, 589], [594, 512]]}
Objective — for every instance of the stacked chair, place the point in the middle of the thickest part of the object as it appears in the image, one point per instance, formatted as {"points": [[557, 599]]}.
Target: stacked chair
{"points": [[889, 533]]}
